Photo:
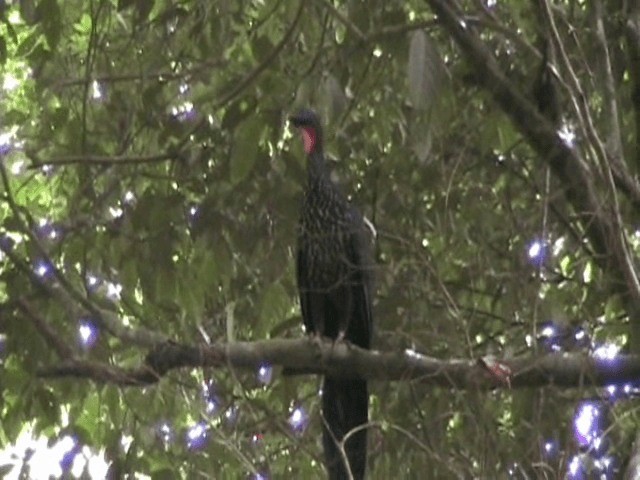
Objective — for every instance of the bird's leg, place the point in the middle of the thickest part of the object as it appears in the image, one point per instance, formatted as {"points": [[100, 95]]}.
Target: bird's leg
{"points": [[341, 337]]}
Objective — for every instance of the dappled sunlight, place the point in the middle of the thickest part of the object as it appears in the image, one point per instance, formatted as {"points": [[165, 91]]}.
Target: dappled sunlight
{"points": [[152, 280], [43, 459]]}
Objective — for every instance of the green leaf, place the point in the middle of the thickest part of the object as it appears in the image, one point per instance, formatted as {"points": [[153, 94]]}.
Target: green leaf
{"points": [[3, 50], [48, 404], [334, 98], [15, 117], [275, 303], [245, 149], [191, 298], [90, 418], [28, 44], [425, 70], [163, 474]]}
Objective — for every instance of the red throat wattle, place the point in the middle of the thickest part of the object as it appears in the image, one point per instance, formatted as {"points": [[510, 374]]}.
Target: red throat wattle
{"points": [[308, 139]]}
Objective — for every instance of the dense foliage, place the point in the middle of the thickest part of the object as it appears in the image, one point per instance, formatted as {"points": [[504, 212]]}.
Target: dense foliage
{"points": [[150, 181]]}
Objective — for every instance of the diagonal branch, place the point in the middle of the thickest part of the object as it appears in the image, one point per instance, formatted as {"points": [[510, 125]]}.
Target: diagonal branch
{"points": [[51, 336], [62, 289], [632, 30], [595, 214], [610, 104], [352, 27]]}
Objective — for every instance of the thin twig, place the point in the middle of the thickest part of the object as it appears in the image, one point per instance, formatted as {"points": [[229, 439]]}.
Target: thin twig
{"points": [[136, 77], [103, 159], [399, 29], [352, 27]]}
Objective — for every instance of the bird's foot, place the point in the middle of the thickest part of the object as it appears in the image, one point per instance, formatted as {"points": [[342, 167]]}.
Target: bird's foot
{"points": [[341, 338]]}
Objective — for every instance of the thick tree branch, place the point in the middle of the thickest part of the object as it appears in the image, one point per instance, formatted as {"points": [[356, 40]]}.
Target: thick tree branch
{"points": [[342, 360]]}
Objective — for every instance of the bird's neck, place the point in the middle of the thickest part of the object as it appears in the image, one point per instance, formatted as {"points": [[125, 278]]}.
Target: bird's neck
{"points": [[317, 170]]}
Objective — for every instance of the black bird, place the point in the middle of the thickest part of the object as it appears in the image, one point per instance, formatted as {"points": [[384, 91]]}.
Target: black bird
{"points": [[335, 287]]}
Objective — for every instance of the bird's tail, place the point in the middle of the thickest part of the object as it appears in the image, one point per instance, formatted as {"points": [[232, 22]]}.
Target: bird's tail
{"points": [[345, 406]]}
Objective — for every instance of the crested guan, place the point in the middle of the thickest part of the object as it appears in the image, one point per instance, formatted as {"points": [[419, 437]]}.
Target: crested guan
{"points": [[335, 286]]}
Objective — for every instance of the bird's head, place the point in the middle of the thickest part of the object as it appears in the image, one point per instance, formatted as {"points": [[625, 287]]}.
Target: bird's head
{"points": [[308, 123]]}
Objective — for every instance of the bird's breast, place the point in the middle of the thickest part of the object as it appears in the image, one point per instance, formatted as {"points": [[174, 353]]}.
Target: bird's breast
{"points": [[324, 232]]}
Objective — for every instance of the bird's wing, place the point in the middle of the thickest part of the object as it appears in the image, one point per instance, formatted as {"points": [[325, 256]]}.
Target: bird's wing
{"points": [[359, 253]]}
